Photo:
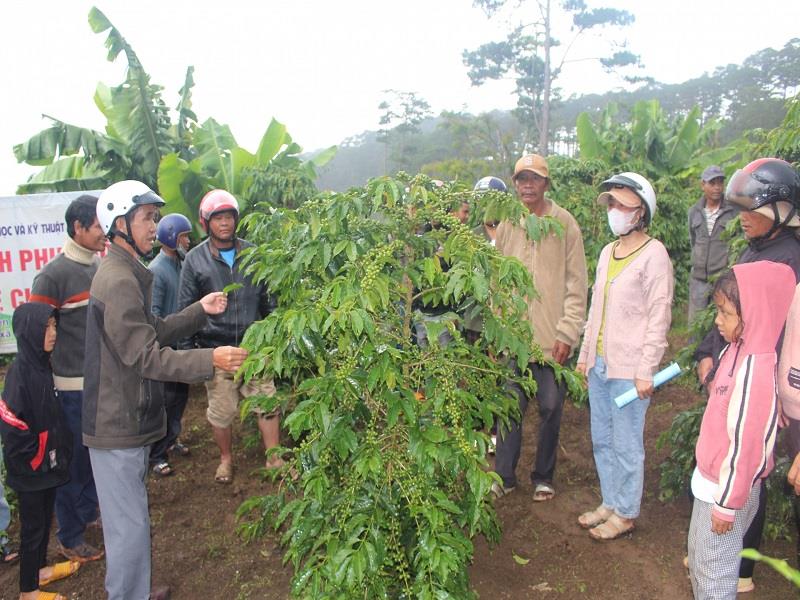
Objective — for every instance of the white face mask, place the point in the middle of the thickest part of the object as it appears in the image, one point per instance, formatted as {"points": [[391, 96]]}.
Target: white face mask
{"points": [[621, 223]]}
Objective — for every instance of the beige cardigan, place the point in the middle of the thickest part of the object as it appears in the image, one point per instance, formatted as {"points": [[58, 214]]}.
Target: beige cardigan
{"points": [[558, 267], [638, 314]]}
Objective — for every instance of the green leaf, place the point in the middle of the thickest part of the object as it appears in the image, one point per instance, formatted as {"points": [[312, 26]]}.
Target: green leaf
{"points": [[66, 175], [232, 287], [781, 566], [63, 139], [588, 141], [357, 322], [214, 143], [98, 21], [315, 226], [519, 560], [271, 142], [322, 158]]}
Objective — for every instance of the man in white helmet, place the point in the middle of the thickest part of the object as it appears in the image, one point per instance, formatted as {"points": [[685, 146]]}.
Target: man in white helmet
{"points": [[127, 358]]}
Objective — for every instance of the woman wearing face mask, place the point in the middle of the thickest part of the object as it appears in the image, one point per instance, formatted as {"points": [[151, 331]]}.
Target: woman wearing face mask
{"points": [[624, 340]]}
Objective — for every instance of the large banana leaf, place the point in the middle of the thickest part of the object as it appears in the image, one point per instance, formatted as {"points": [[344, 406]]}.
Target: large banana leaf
{"points": [[63, 139], [68, 174], [679, 147], [186, 116], [135, 110], [182, 185], [323, 158], [274, 138], [588, 141], [214, 143]]}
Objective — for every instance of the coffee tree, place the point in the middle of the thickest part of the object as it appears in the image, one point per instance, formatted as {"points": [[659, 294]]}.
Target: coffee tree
{"points": [[386, 482]]}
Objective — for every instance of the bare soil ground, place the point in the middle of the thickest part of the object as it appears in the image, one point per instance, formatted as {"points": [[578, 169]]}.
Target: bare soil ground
{"points": [[197, 552]]}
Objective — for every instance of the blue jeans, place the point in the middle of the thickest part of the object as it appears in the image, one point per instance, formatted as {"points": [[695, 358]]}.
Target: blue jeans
{"points": [[617, 441], [76, 500], [5, 512]]}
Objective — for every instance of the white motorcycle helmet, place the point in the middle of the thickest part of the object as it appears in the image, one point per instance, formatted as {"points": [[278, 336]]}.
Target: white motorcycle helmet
{"points": [[640, 186], [118, 200]]}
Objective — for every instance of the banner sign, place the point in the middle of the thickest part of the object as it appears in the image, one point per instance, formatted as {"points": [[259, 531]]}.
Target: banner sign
{"points": [[32, 231]]}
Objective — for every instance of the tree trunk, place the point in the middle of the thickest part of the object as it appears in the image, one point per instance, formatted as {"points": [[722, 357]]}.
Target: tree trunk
{"points": [[544, 122]]}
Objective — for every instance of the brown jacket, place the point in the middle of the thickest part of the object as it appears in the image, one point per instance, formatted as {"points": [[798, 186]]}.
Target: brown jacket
{"points": [[128, 355], [558, 267]]}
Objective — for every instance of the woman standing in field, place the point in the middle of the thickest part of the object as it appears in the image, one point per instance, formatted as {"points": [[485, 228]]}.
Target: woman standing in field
{"points": [[624, 340]]}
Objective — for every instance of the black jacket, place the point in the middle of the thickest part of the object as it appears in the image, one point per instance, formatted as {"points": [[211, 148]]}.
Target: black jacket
{"points": [[784, 248], [204, 271], [37, 445]]}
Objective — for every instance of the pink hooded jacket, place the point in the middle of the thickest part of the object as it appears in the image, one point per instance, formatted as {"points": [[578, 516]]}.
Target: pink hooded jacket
{"points": [[737, 435]]}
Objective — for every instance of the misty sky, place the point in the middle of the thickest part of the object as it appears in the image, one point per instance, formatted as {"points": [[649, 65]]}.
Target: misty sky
{"points": [[320, 67]]}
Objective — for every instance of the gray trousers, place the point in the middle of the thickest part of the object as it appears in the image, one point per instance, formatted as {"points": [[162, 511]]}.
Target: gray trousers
{"points": [[714, 559], [699, 296], [550, 397], [120, 479]]}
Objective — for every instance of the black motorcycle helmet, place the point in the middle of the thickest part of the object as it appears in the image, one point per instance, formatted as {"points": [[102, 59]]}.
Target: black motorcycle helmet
{"points": [[765, 182]]}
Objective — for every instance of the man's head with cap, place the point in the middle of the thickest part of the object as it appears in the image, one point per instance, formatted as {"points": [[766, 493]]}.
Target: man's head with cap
{"points": [[712, 182], [531, 180]]}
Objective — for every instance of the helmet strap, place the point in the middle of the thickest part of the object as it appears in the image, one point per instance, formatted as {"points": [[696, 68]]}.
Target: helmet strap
{"points": [[129, 238]]}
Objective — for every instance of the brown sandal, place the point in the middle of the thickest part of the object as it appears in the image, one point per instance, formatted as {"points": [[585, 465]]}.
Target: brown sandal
{"points": [[224, 473], [595, 517], [613, 528]]}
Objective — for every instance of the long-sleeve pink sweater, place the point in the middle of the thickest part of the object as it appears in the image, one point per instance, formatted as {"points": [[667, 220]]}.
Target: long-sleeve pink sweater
{"points": [[638, 312], [737, 435]]}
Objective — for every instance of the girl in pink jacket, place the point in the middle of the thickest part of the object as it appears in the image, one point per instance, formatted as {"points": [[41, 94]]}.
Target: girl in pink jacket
{"points": [[737, 435]]}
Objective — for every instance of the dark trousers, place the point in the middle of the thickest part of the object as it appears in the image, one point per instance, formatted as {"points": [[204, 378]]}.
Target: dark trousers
{"points": [[752, 536], [76, 500], [550, 396], [176, 396], [35, 517]]}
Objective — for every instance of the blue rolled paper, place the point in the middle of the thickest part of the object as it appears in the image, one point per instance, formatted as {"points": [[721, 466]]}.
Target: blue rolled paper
{"points": [[664, 375]]}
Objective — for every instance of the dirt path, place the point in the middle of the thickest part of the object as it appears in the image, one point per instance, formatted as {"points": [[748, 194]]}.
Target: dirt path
{"points": [[198, 553]]}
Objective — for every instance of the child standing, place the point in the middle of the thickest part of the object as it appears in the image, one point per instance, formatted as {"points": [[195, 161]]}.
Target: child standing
{"points": [[737, 435], [37, 446]]}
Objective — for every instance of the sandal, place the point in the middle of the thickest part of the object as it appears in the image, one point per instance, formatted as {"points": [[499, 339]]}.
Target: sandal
{"points": [[179, 449], [224, 473], [611, 529], [543, 492], [593, 518], [49, 596], [61, 570], [162, 469], [8, 555], [745, 585]]}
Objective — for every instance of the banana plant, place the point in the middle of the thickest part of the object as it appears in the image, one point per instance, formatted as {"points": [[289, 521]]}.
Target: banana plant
{"points": [[181, 159], [273, 171], [137, 135], [662, 146]]}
